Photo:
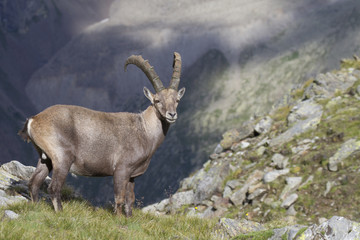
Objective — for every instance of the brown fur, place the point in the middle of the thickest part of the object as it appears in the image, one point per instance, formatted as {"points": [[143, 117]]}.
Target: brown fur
{"points": [[93, 143]]}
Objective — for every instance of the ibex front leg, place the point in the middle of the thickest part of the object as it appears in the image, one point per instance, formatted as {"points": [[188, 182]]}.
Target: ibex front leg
{"points": [[121, 180], [129, 197]]}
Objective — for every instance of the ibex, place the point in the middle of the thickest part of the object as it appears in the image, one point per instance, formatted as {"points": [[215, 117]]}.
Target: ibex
{"points": [[92, 143]]}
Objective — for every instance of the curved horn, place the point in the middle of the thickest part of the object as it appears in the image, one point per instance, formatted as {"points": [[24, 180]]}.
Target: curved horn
{"points": [[175, 79], [149, 71]]}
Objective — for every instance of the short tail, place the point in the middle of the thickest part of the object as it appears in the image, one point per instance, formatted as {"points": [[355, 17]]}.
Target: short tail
{"points": [[23, 133]]}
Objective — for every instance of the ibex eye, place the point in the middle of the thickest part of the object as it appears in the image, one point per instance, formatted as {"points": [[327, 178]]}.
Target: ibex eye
{"points": [[157, 101]]}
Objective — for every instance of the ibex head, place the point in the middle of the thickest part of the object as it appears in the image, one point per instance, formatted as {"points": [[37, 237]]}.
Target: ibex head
{"points": [[165, 100]]}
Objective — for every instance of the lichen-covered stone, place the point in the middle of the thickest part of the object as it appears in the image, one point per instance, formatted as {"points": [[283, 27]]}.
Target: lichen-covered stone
{"points": [[264, 125], [279, 161], [228, 228], [292, 184], [301, 126], [337, 228], [348, 148], [273, 175]]}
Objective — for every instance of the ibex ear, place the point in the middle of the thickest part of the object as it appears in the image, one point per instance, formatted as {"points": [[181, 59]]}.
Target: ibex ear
{"points": [[149, 95], [181, 93]]}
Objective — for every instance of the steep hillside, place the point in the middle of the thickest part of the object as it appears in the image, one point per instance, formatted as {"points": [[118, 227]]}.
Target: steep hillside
{"points": [[237, 60], [297, 164]]}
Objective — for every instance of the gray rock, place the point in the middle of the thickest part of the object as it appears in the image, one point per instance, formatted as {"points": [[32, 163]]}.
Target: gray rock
{"points": [[279, 161], [191, 182], [229, 138], [265, 142], [289, 232], [291, 211], [304, 110], [238, 197], [260, 151], [8, 200], [337, 228], [227, 192], [292, 184], [348, 148], [10, 215], [212, 181], [228, 228], [329, 185], [181, 198], [150, 209], [19, 170], [233, 183], [264, 125], [218, 149], [289, 200], [258, 192], [298, 128], [325, 85], [272, 175], [161, 206], [308, 181]]}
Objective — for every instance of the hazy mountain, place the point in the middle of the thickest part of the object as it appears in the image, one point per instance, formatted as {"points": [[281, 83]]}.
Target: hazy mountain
{"points": [[239, 57]]}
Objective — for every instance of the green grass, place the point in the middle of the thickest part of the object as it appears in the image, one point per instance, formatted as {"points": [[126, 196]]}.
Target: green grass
{"points": [[79, 220], [261, 235]]}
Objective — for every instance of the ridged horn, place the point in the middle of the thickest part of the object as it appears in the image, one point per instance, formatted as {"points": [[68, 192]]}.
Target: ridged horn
{"points": [[175, 79], [149, 71]]}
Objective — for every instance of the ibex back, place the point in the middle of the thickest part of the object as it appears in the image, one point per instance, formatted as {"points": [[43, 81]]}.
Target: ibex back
{"points": [[93, 143]]}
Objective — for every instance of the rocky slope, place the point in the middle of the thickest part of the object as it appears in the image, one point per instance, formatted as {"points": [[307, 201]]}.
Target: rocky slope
{"points": [[299, 164], [234, 54]]}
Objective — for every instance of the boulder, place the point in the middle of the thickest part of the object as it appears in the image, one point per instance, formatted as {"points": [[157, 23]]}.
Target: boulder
{"points": [[180, 199], [288, 232], [348, 148], [289, 200], [264, 125], [337, 228], [212, 181], [292, 184], [19, 170], [8, 214], [311, 121], [279, 161], [273, 175], [228, 228]]}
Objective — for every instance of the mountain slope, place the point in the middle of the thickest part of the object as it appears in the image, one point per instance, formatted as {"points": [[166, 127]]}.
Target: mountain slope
{"points": [[238, 58], [297, 164]]}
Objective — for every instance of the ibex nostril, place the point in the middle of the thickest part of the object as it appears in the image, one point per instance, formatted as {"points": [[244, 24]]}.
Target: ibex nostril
{"points": [[172, 115]]}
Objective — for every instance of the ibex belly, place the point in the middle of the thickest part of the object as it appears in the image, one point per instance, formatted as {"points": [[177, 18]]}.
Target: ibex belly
{"points": [[89, 170]]}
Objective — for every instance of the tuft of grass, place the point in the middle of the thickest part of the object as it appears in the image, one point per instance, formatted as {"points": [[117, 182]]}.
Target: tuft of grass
{"points": [[261, 235], [80, 220], [351, 63]]}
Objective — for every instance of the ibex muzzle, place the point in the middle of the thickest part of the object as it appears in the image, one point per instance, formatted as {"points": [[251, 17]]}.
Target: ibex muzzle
{"points": [[93, 143]]}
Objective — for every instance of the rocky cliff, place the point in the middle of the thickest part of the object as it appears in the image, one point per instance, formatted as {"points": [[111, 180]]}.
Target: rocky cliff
{"points": [[298, 164]]}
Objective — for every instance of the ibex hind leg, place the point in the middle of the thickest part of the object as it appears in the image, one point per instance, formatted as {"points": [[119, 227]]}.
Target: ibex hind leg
{"points": [[42, 170], [58, 179]]}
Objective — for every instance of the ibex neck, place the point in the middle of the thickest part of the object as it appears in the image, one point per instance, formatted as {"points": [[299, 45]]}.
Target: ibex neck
{"points": [[155, 126]]}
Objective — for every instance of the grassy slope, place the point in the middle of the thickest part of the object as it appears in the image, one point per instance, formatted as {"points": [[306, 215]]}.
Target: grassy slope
{"points": [[82, 221]]}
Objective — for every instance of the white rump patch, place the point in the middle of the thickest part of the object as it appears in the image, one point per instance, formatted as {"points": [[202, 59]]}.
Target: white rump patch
{"points": [[29, 127]]}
